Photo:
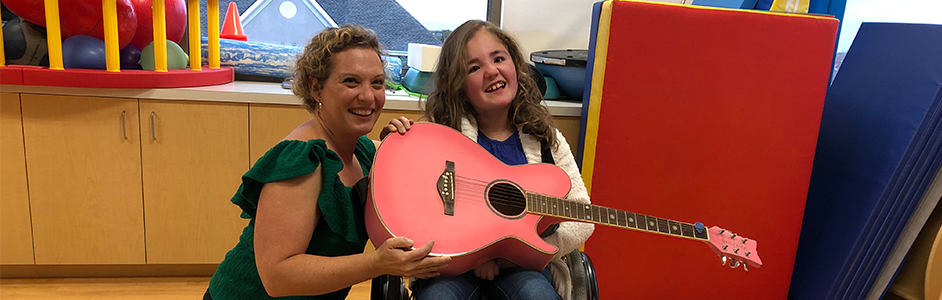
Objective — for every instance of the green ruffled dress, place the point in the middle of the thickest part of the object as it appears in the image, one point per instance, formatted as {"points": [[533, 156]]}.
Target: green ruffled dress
{"points": [[340, 230]]}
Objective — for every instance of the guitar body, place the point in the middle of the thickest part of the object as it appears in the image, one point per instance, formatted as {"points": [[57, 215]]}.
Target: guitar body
{"points": [[406, 199]]}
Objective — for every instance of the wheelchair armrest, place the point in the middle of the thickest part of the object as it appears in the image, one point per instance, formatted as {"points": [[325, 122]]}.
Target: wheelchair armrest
{"points": [[584, 284], [593, 284], [388, 287]]}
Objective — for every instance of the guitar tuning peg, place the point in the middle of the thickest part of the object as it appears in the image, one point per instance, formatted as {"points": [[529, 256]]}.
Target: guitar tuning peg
{"points": [[733, 236], [745, 267], [723, 260], [734, 264]]}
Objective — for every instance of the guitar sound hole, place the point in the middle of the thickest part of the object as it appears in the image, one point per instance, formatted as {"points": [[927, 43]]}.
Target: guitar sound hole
{"points": [[506, 199]]}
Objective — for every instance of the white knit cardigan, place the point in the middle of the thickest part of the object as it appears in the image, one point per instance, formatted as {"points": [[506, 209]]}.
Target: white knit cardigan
{"points": [[569, 235]]}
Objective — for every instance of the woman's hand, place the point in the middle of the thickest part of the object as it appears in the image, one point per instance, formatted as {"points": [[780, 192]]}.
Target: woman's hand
{"points": [[400, 124], [396, 257], [488, 270]]}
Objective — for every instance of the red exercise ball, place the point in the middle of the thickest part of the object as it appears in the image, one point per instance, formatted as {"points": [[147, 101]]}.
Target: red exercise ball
{"points": [[175, 20], [79, 17]]}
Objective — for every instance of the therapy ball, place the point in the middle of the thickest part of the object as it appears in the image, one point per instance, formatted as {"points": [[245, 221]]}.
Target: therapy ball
{"points": [[83, 52], [24, 43], [176, 58], [130, 58]]}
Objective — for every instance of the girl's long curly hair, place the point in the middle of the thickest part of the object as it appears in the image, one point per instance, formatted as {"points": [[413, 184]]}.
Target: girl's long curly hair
{"points": [[317, 61], [448, 102]]}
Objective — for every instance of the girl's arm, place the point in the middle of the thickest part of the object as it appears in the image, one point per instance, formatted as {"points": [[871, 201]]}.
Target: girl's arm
{"points": [[400, 124], [570, 235]]}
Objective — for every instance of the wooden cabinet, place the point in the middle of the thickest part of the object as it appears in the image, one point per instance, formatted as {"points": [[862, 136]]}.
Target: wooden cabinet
{"points": [[104, 181], [83, 155], [16, 237], [193, 157], [269, 124], [569, 127]]}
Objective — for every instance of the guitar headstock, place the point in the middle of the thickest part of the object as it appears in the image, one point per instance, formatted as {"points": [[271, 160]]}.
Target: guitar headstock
{"points": [[734, 249]]}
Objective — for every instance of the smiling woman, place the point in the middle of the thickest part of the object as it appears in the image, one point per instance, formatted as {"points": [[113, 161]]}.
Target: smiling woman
{"points": [[306, 235]]}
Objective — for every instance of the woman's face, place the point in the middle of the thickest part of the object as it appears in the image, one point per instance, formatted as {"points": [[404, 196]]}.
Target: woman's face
{"points": [[353, 96], [492, 78]]}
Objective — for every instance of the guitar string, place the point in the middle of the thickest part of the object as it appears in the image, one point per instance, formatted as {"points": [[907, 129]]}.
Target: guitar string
{"points": [[475, 196], [511, 198]]}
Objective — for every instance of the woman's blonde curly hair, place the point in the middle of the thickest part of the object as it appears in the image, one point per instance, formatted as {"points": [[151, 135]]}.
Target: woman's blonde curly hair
{"points": [[316, 62]]}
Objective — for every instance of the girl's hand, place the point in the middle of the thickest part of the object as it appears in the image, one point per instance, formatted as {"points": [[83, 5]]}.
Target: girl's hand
{"points": [[504, 263], [396, 257], [488, 270], [400, 124]]}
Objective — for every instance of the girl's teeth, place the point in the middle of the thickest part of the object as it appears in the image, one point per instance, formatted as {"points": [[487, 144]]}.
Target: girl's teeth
{"points": [[494, 87]]}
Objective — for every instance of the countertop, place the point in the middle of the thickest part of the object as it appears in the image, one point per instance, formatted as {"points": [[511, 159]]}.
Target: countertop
{"points": [[247, 92]]}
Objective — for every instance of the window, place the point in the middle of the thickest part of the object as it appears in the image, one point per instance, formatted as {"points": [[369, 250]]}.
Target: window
{"points": [[896, 11], [396, 22]]}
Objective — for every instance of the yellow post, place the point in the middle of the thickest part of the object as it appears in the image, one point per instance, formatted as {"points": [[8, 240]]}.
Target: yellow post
{"points": [[53, 35], [110, 16], [160, 36], [212, 25], [3, 58], [196, 56]]}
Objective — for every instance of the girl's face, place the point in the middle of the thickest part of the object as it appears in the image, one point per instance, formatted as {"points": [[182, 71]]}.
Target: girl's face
{"points": [[353, 96], [492, 78]]}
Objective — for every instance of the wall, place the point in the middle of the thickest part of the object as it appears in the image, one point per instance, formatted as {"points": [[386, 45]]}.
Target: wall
{"points": [[548, 24]]}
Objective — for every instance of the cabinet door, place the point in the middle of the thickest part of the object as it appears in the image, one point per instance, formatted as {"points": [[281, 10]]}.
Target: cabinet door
{"points": [[271, 123], [16, 236], [84, 169], [194, 154], [569, 127]]}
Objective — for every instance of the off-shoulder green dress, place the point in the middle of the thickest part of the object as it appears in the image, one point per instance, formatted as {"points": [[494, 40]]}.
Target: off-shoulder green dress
{"points": [[340, 230]]}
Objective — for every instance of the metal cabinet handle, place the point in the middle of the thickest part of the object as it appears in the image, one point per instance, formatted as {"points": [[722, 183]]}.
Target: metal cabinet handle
{"points": [[124, 124], [153, 129]]}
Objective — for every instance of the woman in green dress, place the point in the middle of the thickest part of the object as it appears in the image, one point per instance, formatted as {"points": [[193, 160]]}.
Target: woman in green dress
{"points": [[306, 234]]}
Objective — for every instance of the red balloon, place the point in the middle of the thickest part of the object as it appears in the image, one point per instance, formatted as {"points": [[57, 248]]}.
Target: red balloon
{"points": [[175, 20], [79, 17]]}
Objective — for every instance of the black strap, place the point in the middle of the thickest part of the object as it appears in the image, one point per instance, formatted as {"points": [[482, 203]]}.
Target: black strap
{"points": [[548, 158], [360, 190], [547, 154]]}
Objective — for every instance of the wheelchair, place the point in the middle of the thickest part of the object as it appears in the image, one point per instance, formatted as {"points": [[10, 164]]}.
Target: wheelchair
{"points": [[584, 284]]}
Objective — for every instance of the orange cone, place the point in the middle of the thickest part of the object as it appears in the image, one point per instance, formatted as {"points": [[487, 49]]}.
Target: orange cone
{"points": [[232, 27]]}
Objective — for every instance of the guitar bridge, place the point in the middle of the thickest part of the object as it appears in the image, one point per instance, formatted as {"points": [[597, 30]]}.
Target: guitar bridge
{"points": [[446, 187]]}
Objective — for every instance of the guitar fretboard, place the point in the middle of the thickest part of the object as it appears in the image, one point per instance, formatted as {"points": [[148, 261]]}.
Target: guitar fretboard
{"points": [[571, 210]]}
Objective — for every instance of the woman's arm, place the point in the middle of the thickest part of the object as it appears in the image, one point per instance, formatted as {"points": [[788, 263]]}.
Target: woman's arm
{"points": [[285, 221]]}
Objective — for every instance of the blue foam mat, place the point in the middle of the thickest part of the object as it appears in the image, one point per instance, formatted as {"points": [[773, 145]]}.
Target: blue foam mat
{"points": [[878, 149]]}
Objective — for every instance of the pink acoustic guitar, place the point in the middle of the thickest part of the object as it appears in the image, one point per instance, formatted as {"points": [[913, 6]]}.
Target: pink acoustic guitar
{"points": [[433, 183]]}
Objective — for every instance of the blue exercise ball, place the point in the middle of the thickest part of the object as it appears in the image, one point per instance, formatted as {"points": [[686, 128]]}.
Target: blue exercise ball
{"points": [[83, 52]]}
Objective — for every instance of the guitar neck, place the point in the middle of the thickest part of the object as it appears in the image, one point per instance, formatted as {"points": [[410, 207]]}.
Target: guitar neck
{"points": [[575, 211]]}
